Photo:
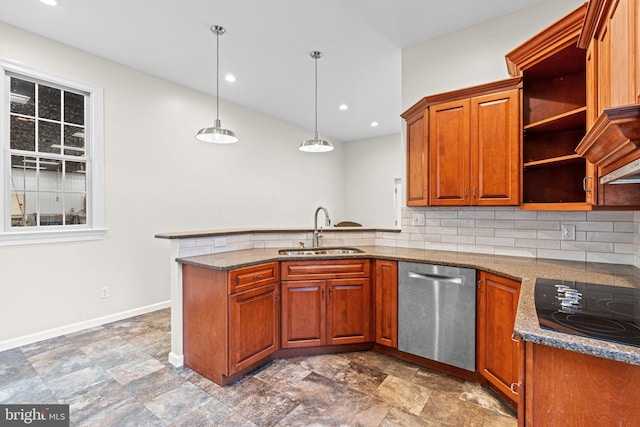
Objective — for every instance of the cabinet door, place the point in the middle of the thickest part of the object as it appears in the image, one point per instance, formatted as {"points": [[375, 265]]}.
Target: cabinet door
{"points": [[386, 302], [417, 158], [348, 311], [303, 313], [498, 353], [254, 326], [449, 154], [495, 149]]}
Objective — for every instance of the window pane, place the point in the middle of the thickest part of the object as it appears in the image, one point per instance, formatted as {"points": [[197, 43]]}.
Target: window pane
{"points": [[49, 137], [75, 205], [75, 178], [73, 108], [23, 97], [50, 208], [49, 103], [18, 209], [73, 141], [22, 134], [50, 176], [29, 202], [23, 173]]}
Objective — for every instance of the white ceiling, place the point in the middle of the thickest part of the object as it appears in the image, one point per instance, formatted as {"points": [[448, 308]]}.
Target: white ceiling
{"points": [[267, 48]]}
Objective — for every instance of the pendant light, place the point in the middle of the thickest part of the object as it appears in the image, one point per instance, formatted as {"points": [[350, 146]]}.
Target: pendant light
{"points": [[217, 134], [316, 145]]}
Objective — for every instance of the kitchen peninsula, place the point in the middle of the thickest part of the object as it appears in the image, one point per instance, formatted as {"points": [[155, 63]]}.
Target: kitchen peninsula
{"points": [[587, 351]]}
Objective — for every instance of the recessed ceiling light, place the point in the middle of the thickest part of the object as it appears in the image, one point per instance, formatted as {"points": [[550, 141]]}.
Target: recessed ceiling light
{"points": [[343, 107], [230, 78], [50, 2], [374, 124]]}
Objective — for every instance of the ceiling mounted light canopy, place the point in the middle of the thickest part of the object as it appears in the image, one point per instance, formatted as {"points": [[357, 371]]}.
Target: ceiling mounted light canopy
{"points": [[217, 134], [316, 145]]}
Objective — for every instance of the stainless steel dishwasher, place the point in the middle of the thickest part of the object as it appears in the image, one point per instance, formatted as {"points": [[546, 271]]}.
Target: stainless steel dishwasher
{"points": [[437, 313]]}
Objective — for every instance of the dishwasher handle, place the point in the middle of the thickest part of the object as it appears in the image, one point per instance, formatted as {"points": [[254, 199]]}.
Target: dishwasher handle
{"points": [[435, 278]]}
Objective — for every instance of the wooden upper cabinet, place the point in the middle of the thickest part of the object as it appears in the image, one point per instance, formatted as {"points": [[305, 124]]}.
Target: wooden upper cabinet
{"points": [[449, 150], [463, 147], [417, 158], [554, 99], [474, 150], [495, 148], [611, 36]]}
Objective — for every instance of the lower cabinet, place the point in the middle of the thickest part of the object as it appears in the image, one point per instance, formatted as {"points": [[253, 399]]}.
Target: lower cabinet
{"points": [[565, 388], [498, 352], [325, 303], [386, 302], [230, 319]]}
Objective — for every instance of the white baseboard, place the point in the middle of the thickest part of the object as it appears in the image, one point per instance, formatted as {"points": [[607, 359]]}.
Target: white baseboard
{"points": [[176, 360], [75, 327]]}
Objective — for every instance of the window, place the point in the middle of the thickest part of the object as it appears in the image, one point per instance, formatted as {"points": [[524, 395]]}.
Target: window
{"points": [[52, 165]]}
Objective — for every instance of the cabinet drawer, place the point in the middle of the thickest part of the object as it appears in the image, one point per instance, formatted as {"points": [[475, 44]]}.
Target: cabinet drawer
{"points": [[333, 269], [242, 279]]}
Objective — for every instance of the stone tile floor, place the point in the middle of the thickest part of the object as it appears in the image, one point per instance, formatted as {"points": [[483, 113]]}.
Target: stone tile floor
{"points": [[118, 375]]}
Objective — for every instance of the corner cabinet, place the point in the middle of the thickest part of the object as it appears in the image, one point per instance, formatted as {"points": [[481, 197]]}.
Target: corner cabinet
{"points": [[463, 147], [498, 358], [326, 303], [386, 302], [230, 319]]}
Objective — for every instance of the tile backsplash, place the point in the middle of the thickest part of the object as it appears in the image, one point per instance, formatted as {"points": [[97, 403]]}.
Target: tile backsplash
{"points": [[609, 237], [601, 236]]}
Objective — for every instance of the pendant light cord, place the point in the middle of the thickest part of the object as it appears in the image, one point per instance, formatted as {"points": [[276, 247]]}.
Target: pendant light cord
{"points": [[316, 95], [217, 76]]}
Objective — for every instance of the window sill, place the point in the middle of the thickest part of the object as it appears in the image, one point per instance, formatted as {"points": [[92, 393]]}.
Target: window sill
{"points": [[15, 238]]}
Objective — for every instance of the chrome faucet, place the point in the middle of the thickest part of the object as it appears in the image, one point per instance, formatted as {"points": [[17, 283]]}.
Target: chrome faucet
{"points": [[317, 234]]}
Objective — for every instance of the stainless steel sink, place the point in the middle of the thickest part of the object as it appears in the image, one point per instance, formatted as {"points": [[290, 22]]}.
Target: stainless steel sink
{"points": [[320, 251]]}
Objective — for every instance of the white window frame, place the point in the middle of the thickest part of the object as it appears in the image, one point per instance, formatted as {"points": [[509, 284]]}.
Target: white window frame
{"points": [[94, 229]]}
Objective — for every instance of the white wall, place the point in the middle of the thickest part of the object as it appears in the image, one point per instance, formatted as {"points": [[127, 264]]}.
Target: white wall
{"points": [[370, 169], [473, 55], [158, 179]]}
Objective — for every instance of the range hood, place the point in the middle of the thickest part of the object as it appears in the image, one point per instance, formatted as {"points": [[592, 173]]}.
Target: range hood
{"points": [[627, 174], [613, 145]]}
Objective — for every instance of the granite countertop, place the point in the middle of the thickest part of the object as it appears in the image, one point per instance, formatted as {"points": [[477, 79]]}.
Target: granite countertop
{"points": [[525, 270]]}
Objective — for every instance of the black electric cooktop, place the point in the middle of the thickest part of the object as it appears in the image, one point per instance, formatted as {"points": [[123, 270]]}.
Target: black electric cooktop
{"points": [[610, 313]]}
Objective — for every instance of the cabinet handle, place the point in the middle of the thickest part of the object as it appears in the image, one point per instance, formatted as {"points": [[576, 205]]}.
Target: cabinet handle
{"points": [[258, 277], [480, 286], [465, 192], [422, 193], [330, 292], [277, 296], [584, 184], [322, 295], [514, 338], [474, 192], [513, 386]]}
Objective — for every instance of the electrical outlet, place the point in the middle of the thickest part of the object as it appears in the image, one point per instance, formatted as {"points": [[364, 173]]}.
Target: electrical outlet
{"points": [[417, 219], [219, 242], [104, 292], [568, 232]]}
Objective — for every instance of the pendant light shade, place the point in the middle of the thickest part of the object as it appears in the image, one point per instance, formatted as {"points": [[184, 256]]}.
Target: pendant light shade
{"points": [[316, 145], [216, 133]]}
